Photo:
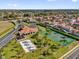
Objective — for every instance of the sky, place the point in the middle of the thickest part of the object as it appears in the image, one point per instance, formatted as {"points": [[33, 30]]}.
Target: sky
{"points": [[39, 4]]}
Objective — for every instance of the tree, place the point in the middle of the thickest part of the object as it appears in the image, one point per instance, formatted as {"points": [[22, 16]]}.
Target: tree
{"points": [[1, 54], [35, 35], [26, 15], [13, 57], [47, 52], [54, 47], [64, 41]]}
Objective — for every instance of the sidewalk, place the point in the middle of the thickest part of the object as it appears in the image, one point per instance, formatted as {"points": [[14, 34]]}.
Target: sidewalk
{"points": [[69, 53]]}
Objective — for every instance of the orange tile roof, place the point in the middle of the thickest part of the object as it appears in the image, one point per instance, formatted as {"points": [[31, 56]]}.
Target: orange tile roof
{"points": [[28, 30]]}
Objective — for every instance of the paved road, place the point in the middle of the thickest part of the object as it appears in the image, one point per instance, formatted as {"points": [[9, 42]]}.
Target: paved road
{"points": [[74, 54], [4, 40], [77, 56], [5, 36]]}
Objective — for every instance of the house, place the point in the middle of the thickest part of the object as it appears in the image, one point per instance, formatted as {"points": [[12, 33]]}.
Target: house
{"points": [[26, 30]]}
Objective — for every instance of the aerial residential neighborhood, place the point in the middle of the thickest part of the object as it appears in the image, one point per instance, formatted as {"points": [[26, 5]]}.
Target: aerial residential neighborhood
{"points": [[39, 29], [39, 35]]}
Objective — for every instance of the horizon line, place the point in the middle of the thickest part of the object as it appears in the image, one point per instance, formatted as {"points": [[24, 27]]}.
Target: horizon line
{"points": [[37, 9]]}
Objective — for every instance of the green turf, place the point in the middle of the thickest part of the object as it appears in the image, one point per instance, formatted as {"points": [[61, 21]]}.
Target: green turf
{"points": [[56, 36]]}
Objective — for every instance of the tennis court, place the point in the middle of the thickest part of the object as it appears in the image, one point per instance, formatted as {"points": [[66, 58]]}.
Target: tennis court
{"points": [[57, 37]]}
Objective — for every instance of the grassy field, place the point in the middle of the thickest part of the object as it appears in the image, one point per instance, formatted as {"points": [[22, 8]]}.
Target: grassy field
{"points": [[13, 50], [60, 52], [5, 27]]}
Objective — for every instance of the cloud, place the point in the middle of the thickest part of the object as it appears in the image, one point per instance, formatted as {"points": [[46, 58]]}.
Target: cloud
{"points": [[12, 5], [51, 0], [74, 0]]}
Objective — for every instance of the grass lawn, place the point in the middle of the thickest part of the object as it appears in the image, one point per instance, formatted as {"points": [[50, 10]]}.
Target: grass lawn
{"points": [[12, 50], [64, 49], [5, 27]]}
